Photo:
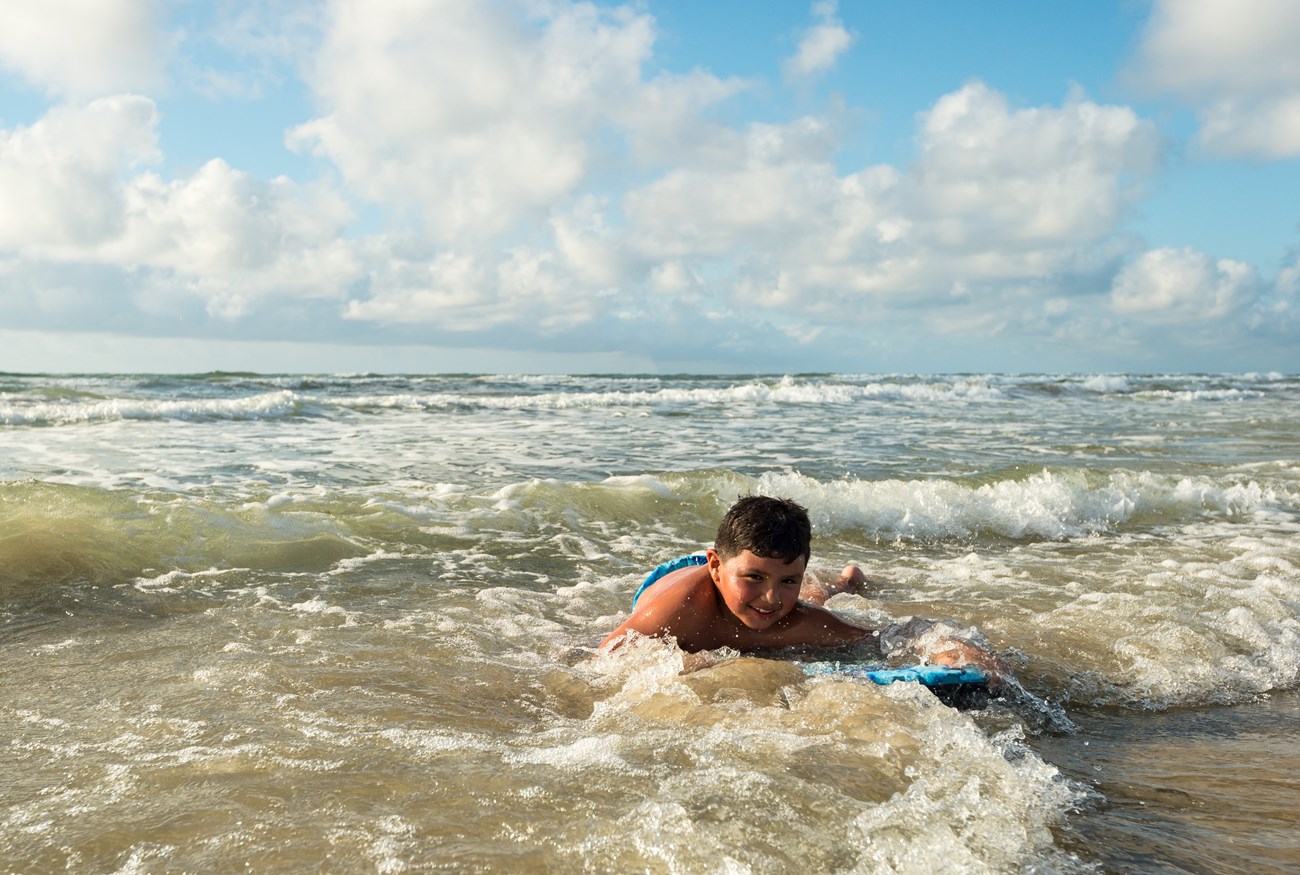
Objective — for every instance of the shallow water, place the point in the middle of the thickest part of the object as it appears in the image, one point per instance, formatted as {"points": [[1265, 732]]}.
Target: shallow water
{"points": [[349, 622], [1207, 790]]}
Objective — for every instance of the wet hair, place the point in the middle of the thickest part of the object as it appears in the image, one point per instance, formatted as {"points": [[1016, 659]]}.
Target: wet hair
{"points": [[767, 527]]}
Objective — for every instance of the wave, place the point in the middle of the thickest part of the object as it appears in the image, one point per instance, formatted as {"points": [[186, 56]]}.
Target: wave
{"points": [[785, 391], [1044, 504], [685, 392], [1017, 505], [1176, 387], [54, 532], [1207, 561], [26, 401], [268, 405], [54, 535]]}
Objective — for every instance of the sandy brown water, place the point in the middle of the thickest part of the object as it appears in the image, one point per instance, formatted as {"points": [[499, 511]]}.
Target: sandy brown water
{"points": [[1206, 790], [349, 624]]}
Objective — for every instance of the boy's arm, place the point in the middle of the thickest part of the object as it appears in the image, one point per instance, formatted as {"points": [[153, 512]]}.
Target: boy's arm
{"points": [[821, 627], [957, 653], [638, 622], [817, 627], [943, 643], [675, 609]]}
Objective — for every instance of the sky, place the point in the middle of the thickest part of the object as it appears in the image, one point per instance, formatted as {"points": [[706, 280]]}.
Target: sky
{"points": [[663, 186]]}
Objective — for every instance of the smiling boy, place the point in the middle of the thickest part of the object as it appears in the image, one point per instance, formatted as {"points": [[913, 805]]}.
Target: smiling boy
{"points": [[744, 593]]}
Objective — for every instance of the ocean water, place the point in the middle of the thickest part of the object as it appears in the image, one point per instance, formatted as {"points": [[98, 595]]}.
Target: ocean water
{"points": [[350, 624]]}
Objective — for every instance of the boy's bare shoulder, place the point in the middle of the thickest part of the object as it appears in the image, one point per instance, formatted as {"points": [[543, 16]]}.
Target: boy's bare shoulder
{"points": [[683, 604]]}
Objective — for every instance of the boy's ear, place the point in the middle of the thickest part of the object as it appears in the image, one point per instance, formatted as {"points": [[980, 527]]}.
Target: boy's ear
{"points": [[714, 563]]}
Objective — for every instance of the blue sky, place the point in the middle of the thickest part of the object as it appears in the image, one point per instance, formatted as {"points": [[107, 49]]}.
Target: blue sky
{"points": [[543, 186]]}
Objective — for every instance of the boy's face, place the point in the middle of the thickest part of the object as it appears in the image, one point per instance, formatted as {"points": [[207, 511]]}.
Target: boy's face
{"points": [[759, 591]]}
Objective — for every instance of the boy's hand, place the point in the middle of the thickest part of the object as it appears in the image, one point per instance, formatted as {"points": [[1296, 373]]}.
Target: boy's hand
{"points": [[955, 653]]}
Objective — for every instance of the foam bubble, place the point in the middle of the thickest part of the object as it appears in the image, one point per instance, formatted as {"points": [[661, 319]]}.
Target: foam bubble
{"points": [[900, 776]]}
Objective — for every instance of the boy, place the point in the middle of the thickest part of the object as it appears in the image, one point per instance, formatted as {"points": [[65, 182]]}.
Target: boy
{"points": [[744, 593]]}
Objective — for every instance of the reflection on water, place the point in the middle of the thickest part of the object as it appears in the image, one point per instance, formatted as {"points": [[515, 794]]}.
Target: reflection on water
{"points": [[1209, 790]]}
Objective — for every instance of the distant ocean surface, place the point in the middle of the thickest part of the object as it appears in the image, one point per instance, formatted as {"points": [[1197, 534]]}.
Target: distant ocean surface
{"points": [[349, 624]]}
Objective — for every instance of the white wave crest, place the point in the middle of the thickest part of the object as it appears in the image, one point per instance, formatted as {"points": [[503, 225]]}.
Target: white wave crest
{"points": [[788, 390], [1107, 383], [1047, 504], [269, 405]]}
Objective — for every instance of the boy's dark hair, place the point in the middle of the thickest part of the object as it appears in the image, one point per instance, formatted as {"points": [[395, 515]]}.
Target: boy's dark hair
{"points": [[767, 527]]}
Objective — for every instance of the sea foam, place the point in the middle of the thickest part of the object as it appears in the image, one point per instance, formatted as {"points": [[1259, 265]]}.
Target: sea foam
{"points": [[268, 405]]}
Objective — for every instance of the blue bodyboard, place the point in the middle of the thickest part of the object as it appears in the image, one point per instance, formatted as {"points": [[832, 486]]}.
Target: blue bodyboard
{"points": [[929, 675], [963, 688]]}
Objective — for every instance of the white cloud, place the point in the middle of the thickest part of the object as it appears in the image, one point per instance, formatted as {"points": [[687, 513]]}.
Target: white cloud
{"points": [[593, 250], [492, 123], [1236, 62], [478, 115], [450, 293], [774, 187], [237, 238], [997, 195], [61, 190], [821, 45], [666, 124], [73, 189], [1268, 128], [472, 114], [83, 48], [526, 175], [1287, 284], [1170, 286], [1277, 312], [1040, 176], [448, 290]]}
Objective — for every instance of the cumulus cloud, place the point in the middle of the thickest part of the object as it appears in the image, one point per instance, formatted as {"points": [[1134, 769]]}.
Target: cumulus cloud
{"points": [[497, 127], [1031, 176], [241, 236], [450, 289], [779, 181], [1276, 313], [821, 45], [491, 125], [997, 194], [1236, 62], [1287, 284], [528, 175], [83, 48], [75, 188], [447, 293], [60, 188], [1183, 286], [477, 114]]}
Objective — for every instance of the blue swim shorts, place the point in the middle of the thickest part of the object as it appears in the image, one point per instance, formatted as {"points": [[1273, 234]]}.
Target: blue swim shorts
{"points": [[668, 568]]}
